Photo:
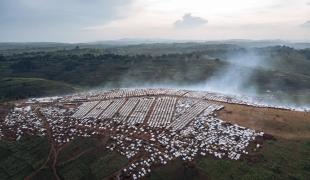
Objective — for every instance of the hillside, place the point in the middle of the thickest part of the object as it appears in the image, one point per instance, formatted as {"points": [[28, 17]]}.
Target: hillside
{"points": [[67, 138], [21, 88], [278, 71]]}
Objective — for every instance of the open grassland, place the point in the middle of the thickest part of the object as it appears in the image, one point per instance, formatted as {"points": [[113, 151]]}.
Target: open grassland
{"points": [[19, 159], [20, 88], [88, 159], [81, 159], [280, 123]]}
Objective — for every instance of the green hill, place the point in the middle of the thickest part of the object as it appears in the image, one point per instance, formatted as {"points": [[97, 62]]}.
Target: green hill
{"points": [[280, 70], [19, 88]]}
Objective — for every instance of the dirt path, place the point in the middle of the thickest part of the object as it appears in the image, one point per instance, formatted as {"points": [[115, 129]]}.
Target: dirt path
{"points": [[55, 151], [102, 143], [33, 174]]}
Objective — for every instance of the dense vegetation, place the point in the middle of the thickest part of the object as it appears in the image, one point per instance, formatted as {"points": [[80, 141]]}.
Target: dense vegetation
{"points": [[94, 70], [281, 70]]}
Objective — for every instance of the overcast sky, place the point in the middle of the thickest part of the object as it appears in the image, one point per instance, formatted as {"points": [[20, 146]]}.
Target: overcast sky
{"points": [[95, 20]]}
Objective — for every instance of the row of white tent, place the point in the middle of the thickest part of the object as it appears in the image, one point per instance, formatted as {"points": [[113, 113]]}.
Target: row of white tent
{"points": [[142, 92]]}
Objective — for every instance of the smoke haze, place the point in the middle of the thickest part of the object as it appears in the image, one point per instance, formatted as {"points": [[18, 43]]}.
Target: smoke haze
{"points": [[235, 79]]}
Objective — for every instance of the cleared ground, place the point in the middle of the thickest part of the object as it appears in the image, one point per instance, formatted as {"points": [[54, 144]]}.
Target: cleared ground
{"points": [[280, 123]]}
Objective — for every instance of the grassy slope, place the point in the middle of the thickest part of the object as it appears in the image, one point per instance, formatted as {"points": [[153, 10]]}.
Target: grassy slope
{"points": [[17, 88], [21, 158], [95, 161], [280, 123], [281, 159]]}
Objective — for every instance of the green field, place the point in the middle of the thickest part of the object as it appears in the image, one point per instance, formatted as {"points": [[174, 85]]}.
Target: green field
{"points": [[20, 88], [279, 159], [19, 159]]}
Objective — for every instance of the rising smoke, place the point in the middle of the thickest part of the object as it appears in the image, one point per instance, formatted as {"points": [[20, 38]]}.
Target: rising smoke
{"points": [[235, 78]]}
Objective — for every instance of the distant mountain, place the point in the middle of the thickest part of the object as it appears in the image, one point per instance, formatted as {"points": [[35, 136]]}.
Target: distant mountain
{"points": [[128, 42]]}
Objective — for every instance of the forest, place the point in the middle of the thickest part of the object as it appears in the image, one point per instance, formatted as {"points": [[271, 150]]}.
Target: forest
{"points": [[38, 71]]}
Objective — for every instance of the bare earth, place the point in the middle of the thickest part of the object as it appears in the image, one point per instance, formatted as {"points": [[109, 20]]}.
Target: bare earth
{"points": [[280, 123]]}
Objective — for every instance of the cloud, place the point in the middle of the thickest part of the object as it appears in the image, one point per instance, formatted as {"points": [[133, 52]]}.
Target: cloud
{"points": [[68, 11], [306, 24], [49, 19], [189, 21]]}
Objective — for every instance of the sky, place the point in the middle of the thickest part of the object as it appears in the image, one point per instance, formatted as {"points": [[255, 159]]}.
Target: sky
{"points": [[99, 20]]}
